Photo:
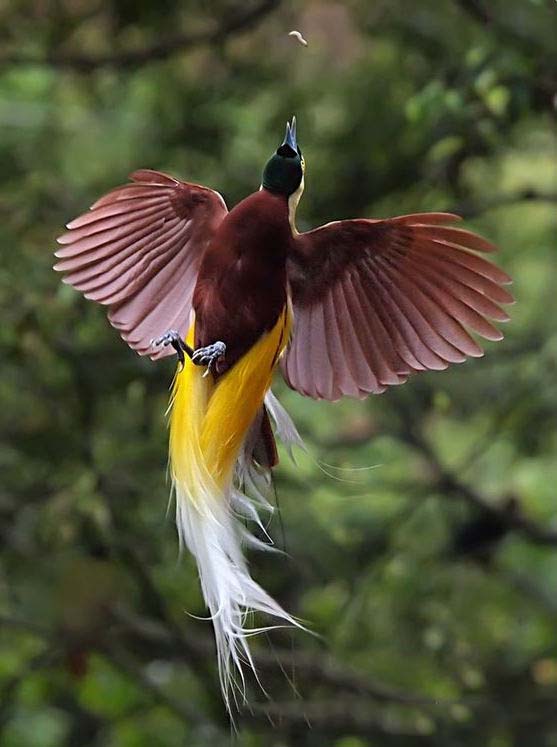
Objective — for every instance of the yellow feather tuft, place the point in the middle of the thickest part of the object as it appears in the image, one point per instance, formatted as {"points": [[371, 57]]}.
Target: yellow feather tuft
{"points": [[209, 421]]}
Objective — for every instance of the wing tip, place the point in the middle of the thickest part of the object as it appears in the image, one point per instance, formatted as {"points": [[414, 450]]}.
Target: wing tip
{"points": [[421, 219], [495, 337], [151, 176]]}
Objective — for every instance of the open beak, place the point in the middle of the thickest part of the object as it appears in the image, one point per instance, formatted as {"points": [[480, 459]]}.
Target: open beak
{"points": [[290, 136]]}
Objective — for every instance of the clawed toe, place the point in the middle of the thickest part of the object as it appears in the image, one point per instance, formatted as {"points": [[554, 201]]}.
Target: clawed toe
{"points": [[169, 338], [173, 337], [209, 356]]}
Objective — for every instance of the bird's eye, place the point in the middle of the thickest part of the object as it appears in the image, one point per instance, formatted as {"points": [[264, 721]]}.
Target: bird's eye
{"points": [[303, 162]]}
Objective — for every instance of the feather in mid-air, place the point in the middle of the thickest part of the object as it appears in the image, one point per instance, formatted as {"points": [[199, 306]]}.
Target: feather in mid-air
{"points": [[349, 308]]}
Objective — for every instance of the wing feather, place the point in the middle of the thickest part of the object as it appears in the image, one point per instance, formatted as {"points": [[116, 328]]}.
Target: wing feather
{"points": [[137, 251], [408, 342], [458, 237], [460, 257], [116, 209], [377, 300], [95, 273], [139, 211], [74, 257], [459, 294], [418, 314], [391, 366], [382, 304], [354, 344], [343, 381], [365, 332], [92, 267], [457, 316], [136, 275], [464, 276], [322, 369], [443, 320]]}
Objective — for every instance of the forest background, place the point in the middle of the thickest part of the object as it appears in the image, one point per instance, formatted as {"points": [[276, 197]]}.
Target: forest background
{"points": [[431, 579]]}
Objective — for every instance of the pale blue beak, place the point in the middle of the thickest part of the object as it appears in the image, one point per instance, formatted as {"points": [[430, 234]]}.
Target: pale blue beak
{"points": [[290, 136]]}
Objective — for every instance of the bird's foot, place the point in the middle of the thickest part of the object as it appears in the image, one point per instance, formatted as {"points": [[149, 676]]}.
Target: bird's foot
{"points": [[209, 356], [172, 337]]}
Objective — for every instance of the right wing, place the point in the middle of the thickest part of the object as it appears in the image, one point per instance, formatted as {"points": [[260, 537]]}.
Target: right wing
{"points": [[138, 250], [375, 301]]}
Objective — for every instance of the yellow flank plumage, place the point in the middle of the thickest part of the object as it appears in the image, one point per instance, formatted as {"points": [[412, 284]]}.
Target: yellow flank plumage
{"points": [[209, 421], [208, 426]]}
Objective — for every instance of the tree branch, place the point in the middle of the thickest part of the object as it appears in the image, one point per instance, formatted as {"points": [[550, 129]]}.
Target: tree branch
{"points": [[485, 16], [187, 712], [449, 484], [238, 22], [446, 482], [316, 668], [474, 209], [339, 716], [8, 694], [157, 640], [322, 669]]}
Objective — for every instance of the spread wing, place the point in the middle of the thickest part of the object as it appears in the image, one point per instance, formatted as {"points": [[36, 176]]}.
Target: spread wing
{"points": [[377, 300], [137, 251]]}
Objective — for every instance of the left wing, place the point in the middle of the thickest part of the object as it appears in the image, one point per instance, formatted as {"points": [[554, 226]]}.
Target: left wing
{"points": [[137, 250], [377, 300]]}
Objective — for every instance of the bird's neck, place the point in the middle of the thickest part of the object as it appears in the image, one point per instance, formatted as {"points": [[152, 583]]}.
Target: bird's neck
{"points": [[292, 203], [259, 226]]}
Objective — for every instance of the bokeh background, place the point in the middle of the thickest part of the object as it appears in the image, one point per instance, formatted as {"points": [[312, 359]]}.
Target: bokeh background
{"points": [[431, 579]]}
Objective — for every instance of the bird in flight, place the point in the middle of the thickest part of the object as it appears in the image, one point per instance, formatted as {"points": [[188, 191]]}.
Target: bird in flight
{"points": [[349, 308]]}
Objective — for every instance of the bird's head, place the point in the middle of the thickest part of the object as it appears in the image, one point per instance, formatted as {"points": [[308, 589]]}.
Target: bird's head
{"points": [[284, 171]]}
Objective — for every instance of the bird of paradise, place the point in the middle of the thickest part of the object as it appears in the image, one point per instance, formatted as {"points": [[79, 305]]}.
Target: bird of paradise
{"points": [[349, 308]]}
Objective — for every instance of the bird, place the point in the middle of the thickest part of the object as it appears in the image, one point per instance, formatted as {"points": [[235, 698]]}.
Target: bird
{"points": [[350, 308]]}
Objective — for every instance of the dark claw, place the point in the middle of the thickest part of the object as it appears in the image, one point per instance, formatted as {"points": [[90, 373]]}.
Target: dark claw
{"points": [[172, 337], [209, 356]]}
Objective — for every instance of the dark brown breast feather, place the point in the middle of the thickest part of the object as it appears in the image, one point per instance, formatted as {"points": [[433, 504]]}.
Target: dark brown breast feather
{"points": [[377, 300], [138, 250]]}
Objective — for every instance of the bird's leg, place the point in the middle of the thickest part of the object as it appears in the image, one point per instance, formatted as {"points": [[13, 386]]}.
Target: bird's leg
{"points": [[209, 356], [172, 337]]}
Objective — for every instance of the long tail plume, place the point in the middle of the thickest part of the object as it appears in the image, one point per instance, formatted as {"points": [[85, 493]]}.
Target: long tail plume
{"points": [[211, 479]]}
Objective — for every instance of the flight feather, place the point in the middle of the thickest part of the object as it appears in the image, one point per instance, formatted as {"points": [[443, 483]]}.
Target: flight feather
{"points": [[375, 301], [137, 251]]}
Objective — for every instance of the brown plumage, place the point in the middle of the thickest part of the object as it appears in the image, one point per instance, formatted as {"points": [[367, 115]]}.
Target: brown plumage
{"points": [[241, 283], [374, 300], [377, 300], [138, 251], [371, 303]]}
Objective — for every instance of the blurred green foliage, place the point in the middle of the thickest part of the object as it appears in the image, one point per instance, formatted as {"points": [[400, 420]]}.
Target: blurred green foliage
{"points": [[402, 107]]}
